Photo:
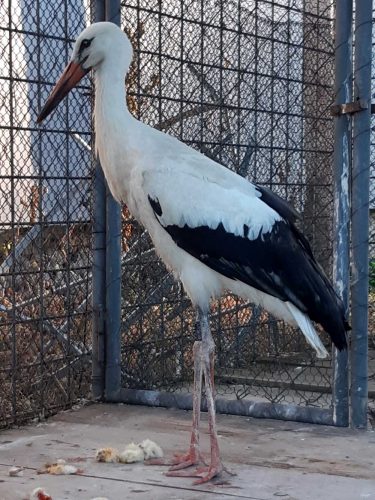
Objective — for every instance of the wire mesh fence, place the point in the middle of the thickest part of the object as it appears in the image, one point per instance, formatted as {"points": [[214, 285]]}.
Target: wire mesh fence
{"points": [[250, 85], [371, 374], [45, 232]]}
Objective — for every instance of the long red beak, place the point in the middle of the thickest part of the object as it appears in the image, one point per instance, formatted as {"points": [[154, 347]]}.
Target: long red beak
{"points": [[72, 74]]}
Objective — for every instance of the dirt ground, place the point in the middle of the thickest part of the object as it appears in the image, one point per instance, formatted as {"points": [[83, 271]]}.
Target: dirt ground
{"points": [[271, 459]]}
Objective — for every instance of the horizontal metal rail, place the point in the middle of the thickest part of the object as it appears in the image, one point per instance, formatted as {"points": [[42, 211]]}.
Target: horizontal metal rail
{"points": [[242, 407]]}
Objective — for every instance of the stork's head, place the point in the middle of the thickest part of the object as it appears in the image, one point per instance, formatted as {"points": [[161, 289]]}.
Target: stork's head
{"points": [[96, 44]]}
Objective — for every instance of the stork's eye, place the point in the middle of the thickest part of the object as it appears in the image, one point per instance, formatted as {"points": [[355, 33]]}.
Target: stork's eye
{"points": [[85, 43]]}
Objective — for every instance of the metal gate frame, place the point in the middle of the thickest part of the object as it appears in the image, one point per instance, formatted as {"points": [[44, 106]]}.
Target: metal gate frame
{"points": [[351, 163]]}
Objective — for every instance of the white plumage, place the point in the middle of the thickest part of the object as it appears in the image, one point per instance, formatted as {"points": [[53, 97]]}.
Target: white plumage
{"points": [[132, 453], [215, 230], [151, 449]]}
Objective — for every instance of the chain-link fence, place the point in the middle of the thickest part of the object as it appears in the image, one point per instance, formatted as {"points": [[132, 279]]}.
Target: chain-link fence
{"points": [[372, 254], [250, 85], [45, 229]]}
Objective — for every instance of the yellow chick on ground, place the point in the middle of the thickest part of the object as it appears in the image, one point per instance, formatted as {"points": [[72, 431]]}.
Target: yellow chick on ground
{"points": [[108, 455], [59, 468], [132, 453]]}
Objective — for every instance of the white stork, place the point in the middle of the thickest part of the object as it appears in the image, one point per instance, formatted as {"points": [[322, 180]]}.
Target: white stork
{"points": [[215, 230]]}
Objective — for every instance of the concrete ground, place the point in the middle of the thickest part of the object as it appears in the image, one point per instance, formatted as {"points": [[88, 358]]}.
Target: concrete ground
{"points": [[271, 459]]}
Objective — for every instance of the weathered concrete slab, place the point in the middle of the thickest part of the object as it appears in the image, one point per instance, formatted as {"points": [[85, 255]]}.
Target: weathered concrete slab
{"points": [[271, 459]]}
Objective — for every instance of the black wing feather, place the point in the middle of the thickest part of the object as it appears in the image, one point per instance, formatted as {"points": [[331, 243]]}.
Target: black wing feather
{"points": [[281, 206]]}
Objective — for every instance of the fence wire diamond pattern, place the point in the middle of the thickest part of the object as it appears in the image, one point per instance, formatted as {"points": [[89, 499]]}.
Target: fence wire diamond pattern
{"points": [[45, 216]]}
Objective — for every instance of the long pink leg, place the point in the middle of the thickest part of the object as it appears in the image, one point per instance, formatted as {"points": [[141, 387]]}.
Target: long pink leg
{"points": [[193, 455], [207, 357]]}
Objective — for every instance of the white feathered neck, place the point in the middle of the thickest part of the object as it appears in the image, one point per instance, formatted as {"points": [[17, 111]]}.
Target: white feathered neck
{"points": [[114, 124]]}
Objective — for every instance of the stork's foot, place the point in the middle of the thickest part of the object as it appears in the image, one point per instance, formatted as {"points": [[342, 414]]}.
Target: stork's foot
{"points": [[179, 461], [182, 461], [204, 474]]}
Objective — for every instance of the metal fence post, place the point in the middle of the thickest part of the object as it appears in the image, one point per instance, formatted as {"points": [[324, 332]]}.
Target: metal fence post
{"points": [[113, 267], [360, 213], [99, 261], [98, 283], [342, 164]]}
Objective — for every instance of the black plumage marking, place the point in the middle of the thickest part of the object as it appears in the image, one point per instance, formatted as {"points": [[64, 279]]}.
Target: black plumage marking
{"points": [[279, 263], [155, 205], [281, 206], [85, 44]]}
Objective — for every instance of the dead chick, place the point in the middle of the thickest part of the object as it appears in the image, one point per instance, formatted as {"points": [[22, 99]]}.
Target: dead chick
{"points": [[59, 468], [132, 453], [108, 455], [16, 472], [39, 494], [151, 449]]}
